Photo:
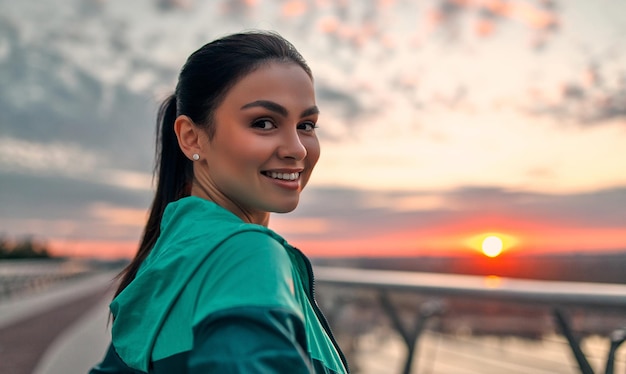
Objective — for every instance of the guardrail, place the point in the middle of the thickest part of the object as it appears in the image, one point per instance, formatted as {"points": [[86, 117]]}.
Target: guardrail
{"points": [[22, 276], [558, 296]]}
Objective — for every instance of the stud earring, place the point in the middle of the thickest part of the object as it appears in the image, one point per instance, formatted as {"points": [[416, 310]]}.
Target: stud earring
{"points": [[195, 157]]}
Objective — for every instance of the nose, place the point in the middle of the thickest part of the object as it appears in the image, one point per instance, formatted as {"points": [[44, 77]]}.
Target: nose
{"points": [[291, 146]]}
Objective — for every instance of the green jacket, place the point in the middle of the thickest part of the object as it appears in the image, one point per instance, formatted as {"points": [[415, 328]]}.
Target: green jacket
{"points": [[217, 295]]}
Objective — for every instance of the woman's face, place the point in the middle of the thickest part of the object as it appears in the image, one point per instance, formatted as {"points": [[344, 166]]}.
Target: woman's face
{"points": [[264, 146]]}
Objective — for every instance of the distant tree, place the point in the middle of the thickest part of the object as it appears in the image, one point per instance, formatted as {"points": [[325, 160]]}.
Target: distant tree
{"points": [[4, 246], [27, 247]]}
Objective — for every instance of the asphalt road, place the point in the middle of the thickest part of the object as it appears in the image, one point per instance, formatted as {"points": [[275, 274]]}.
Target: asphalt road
{"points": [[36, 323]]}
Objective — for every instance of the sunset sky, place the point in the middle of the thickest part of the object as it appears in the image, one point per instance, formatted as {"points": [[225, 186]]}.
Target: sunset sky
{"points": [[442, 121]]}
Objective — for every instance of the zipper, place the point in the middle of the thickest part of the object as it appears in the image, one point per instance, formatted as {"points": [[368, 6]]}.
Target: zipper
{"points": [[318, 311]]}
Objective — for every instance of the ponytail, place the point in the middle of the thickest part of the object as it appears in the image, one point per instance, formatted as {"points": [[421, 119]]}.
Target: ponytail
{"points": [[174, 172]]}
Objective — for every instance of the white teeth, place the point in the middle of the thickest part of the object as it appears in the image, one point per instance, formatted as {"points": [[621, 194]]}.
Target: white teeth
{"points": [[284, 176]]}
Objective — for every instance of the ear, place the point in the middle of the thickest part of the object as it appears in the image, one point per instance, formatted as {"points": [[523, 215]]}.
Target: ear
{"points": [[188, 134]]}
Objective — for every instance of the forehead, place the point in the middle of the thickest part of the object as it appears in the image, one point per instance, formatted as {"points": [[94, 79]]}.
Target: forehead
{"points": [[285, 83]]}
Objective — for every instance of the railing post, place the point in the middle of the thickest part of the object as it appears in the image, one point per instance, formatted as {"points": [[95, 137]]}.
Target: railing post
{"points": [[617, 338], [410, 338], [563, 323]]}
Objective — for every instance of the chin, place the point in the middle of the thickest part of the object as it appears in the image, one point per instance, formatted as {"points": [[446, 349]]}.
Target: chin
{"points": [[285, 207]]}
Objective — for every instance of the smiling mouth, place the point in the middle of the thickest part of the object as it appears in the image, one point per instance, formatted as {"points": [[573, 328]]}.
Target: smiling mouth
{"points": [[282, 176]]}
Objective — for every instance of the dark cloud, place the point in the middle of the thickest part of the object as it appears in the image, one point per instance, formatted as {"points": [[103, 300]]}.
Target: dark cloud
{"points": [[600, 208], [589, 100], [56, 197], [345, 104], [586, 107], [350, 212], [53, 100]]}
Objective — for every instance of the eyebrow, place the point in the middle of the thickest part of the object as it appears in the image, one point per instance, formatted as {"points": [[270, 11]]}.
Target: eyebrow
{"points": [[277, 108]]}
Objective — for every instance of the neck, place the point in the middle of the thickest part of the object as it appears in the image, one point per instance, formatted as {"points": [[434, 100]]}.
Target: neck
{"points": [[207, 193]]}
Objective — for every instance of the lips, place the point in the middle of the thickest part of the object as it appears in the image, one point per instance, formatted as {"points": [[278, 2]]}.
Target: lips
{"points": [[282, 176]]}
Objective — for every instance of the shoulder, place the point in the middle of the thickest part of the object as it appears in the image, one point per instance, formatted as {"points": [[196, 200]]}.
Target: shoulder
{"points": [[249, 268], [253, 242], [251, 253]]}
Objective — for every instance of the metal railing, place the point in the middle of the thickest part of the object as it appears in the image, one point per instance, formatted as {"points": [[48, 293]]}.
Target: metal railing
{"points": [[23, 276], [559, 298]]}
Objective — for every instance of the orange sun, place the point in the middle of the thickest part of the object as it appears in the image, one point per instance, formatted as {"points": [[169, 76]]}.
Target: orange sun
{"points": [[492, 243], [492, 246]]}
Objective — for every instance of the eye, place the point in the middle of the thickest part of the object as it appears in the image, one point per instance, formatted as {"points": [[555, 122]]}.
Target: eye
{"points": [[263, 124], [307, 126]]}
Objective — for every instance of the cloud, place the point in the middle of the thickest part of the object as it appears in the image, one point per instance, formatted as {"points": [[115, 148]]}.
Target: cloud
{"points": [[600, 208], [65, 160], [361, 213], [125, 179], [593, 95], [52, 197], [118, 216], [342, 111], [341, 102], [61, 208], [585, 106], [448, 18], [24, 156], [59, 116]]}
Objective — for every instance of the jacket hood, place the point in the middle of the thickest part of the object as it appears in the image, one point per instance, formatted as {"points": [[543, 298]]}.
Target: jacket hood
{"points": [[141, 309]]}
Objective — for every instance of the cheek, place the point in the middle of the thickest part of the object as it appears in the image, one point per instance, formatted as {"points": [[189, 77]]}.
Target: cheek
{"points": [[312, 146], [243, 151]]}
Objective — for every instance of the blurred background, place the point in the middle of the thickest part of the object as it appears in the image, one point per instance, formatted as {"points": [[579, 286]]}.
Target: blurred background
{"points": [[478, 137]]}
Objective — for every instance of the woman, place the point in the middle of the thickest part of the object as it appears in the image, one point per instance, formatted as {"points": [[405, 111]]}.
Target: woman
{"points": [[212, 289]]}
